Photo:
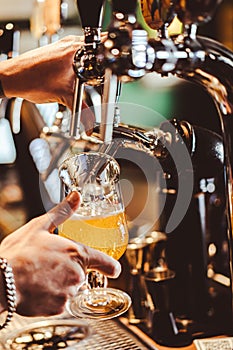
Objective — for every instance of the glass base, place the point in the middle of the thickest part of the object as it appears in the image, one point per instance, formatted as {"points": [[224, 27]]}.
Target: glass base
{"points": [[99, 303]]}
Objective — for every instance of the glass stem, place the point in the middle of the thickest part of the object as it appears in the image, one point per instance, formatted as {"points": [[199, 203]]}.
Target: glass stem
{"points": [[96, 282], [95, 279]]}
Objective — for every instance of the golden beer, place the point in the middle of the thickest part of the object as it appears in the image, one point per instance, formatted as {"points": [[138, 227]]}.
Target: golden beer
{"points": [[106, 233]]}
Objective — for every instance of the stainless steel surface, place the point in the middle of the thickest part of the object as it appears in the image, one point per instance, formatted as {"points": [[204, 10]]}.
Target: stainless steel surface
{"points": [[110, 334]]}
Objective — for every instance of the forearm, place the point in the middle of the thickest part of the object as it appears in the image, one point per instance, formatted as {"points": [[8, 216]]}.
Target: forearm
{"points": [[25, 76], [9, 77], [44, 74]]}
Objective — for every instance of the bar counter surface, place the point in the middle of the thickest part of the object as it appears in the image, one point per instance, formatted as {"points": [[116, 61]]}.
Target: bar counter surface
{"points": [[32, 333]]}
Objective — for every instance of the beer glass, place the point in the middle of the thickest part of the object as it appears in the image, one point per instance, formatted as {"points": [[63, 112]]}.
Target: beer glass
{"points": [[100, 223]]}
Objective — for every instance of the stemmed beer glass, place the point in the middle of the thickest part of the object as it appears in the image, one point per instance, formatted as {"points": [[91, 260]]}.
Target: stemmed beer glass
{"points": [[100, 223]]}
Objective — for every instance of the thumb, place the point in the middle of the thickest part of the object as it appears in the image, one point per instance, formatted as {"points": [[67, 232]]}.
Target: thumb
{"points": [[61, 212]]}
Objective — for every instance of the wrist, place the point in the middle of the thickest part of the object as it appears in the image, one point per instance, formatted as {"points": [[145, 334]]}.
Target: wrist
{"points": [[5, 79], [8, 284], [11, 76]]}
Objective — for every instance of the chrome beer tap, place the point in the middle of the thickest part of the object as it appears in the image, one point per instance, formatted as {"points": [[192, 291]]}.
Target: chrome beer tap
{"points": [[126, 51], [124, 60], [87, 65], [92, 61]]}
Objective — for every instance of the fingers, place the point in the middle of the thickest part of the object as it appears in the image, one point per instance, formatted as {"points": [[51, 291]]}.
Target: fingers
{"points": [[61, 212], [93, 259]]}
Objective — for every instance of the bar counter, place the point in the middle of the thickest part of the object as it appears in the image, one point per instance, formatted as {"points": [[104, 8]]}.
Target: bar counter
{"points": [[115, 334]]}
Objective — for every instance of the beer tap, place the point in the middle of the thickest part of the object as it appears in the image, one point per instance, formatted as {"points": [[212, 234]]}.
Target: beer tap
{"points": [[126, 50], [87, 65], [124, 60]]}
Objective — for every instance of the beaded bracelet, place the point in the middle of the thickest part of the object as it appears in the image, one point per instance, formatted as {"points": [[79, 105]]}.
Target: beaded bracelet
{"points": [[10, 290]]}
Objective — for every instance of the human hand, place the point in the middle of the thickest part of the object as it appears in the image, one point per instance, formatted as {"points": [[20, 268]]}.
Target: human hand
{"points": [[48, 268], [44, 74]]}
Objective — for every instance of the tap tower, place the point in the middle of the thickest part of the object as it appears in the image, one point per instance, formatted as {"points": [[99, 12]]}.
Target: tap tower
{"points": [[197, 298]]}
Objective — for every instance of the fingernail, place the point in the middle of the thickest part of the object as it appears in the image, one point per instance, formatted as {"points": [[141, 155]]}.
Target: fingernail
{"points": [[74, 199]]}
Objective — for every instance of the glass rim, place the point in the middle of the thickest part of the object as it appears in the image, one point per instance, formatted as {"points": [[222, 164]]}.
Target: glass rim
{"points": [[77, 155]]}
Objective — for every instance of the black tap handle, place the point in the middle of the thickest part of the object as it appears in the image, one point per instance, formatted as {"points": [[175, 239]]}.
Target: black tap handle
{"points": [[90, 12], [124, 6]]}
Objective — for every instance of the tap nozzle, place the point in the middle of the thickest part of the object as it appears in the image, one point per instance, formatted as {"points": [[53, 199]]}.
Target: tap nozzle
{"points": [[87, 64]]}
